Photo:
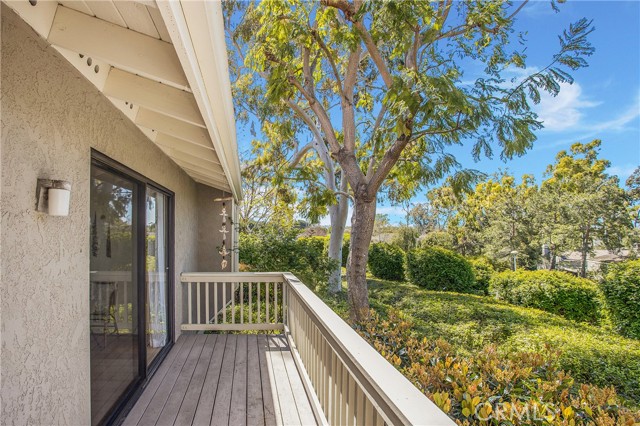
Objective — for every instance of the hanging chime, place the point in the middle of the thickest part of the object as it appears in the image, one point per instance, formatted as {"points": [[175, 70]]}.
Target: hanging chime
{"points": [[223, 230]]}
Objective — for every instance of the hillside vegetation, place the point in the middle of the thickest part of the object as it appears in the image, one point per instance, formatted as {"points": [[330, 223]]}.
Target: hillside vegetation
{"points": [[470, 323]]}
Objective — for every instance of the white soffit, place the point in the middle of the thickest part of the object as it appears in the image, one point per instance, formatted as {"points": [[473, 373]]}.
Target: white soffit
{"points": [[165, 71]]}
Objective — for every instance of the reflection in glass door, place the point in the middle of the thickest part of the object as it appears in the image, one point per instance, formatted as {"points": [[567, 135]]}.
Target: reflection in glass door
{"points": [[156, 308], [114, 345]]}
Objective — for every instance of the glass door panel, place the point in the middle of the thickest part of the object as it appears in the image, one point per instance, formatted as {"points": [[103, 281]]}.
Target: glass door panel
{"points": [[156, 306], [114, 346]]}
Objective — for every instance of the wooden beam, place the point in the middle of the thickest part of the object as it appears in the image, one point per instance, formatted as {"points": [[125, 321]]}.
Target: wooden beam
{"points": [[204, 170], [226, 188], [38, 16], [153, 95], [187, 158], [209, 179], [173, 127], [121, 47], [188, 148]]}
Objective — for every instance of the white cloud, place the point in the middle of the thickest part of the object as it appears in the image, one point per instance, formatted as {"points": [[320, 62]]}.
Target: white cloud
{"points": [[623, 171], [620, 122], [563, 112]]}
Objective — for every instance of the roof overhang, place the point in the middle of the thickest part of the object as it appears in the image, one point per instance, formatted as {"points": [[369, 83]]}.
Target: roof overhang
{"points": [[163, 64]]}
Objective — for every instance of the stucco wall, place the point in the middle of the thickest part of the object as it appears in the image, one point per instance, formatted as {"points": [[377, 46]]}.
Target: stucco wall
{"points": [[209, 225], [51, 118]]}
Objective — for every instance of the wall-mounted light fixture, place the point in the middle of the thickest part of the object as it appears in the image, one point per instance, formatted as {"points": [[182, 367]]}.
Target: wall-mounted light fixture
{"points": [[52, 197]]}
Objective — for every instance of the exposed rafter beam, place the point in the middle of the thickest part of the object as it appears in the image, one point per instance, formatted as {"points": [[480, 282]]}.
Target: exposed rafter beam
{"points": [[201, 172], [188, 148], [153, 95], [193, 159], [212, 182], [121, 47], [174, 127]]}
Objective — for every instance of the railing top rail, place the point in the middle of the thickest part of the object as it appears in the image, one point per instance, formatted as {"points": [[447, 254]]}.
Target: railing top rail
{"points": [[232, 277], [408, 404]]}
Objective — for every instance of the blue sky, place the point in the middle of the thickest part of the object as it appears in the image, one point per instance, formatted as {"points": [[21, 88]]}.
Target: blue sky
{"points": [[603, 103]]}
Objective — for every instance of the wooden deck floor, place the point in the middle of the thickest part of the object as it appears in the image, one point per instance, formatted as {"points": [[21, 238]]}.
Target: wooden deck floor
{"points": [[220, 379]]}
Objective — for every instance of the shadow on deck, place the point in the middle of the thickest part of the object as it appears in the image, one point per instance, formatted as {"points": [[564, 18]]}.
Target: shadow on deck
{"points": [[225, 379]]}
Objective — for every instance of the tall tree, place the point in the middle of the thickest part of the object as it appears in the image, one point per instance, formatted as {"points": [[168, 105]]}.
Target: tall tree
{"points": [[380, 86], [591, 207], [326, 190]]}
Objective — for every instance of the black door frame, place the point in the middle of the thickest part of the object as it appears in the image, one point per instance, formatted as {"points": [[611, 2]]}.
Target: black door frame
{"points": [[134, 390]]}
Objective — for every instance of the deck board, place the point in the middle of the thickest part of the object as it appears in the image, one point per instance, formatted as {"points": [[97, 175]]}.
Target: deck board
{"points": [[225, 379], [190, 403], [210, 387], [255, 402]]}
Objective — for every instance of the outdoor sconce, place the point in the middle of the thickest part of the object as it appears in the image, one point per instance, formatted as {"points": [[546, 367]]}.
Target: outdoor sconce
{"points": [[53, 197]]}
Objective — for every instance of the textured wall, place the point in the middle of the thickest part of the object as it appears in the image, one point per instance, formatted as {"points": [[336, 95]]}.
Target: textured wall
{"points": [[209, 224], [51, 118]]}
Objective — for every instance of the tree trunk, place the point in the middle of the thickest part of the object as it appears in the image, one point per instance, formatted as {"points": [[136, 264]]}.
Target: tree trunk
{"points": [[585, 251], [362, 220], [338, 215]]}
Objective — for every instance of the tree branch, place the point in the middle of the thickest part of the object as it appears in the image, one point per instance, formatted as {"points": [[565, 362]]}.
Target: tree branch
{"points": [[300, 154], [332, 63]]}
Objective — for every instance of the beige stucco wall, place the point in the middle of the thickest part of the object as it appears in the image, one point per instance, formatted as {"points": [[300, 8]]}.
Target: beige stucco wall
{"points": [[51, 118], [209, 225]]}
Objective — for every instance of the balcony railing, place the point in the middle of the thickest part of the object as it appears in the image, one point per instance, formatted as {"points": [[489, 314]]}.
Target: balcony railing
{"points": [[348, 381]]}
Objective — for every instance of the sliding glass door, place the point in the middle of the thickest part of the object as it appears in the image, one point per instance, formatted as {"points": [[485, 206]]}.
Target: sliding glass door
{"points": [[130, 284]]}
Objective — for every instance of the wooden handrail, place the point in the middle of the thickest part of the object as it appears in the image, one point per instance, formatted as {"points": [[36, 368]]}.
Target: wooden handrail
{"points": [[392, 394]]}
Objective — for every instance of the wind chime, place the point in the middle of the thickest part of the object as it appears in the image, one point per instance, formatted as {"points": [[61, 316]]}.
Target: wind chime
{"points": [[223, 230]]}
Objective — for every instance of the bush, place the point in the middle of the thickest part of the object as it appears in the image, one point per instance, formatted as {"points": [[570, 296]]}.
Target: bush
{"points": [[483, 270], [490, 388], [314, 248], [621, 288], [557, 292], [435, 268], [592, 353], [386, 261], [271, 249], [437, 239]]}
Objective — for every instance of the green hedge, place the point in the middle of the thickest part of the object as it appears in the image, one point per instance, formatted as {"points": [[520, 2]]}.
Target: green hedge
{"points": [[483, 270], [276, 250], [557, 292], [436, 268], [386, 261], [621, 289]]}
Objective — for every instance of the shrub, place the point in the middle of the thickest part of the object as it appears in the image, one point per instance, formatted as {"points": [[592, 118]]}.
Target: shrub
{"points": [[437, 239], [386, 261], [477, 389], [272, 249], [435, 268], [621, 289], [314, 248], [483, 270], [557, 292]]}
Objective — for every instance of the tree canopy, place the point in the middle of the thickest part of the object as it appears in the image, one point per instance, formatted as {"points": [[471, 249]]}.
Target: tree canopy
{"points": [[379, 90]]}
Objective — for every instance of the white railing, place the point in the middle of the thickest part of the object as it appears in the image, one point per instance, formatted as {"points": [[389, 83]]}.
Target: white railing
{"points": [[349, 381], [233, 301]]}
